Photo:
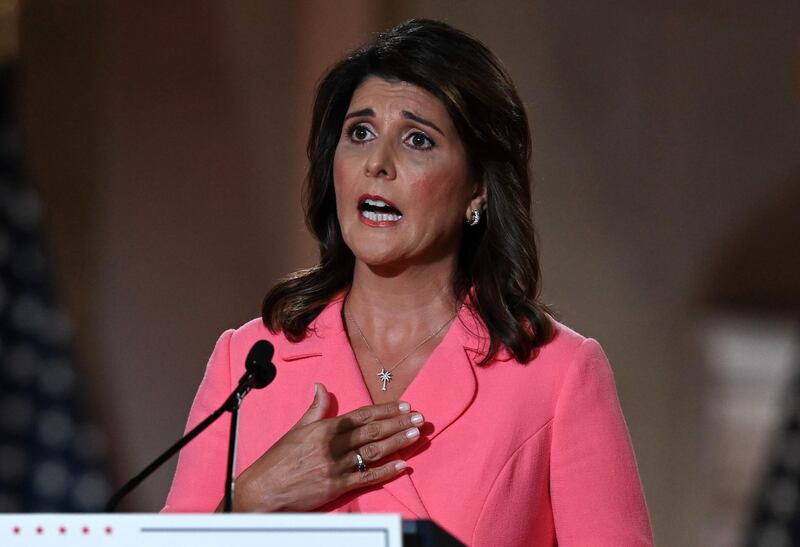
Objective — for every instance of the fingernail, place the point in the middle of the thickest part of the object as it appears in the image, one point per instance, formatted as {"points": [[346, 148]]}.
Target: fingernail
{"points": [[399, 466], [404, 407], [417, 419], [316, 390], [412, 433]]}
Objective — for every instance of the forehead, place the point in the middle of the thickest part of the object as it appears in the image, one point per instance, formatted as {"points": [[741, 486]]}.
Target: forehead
{"points": [[377, 93]]}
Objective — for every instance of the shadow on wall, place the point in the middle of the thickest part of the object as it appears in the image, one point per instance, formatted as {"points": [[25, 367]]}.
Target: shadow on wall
{"points": [[760, 269]]}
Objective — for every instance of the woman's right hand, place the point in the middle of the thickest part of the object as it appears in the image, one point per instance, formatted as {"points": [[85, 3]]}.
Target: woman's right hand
{"points": [[315, 461]]}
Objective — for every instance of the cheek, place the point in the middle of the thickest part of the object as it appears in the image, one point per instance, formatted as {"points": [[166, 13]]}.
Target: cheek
{"points": [[341, 178], [338, 171], [442, 194], [347, 169]]}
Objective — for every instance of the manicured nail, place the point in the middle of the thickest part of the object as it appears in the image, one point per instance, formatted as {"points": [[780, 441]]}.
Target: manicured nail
{"points": [[404, 407], [417, 419], [399, 466], [412, 433]]}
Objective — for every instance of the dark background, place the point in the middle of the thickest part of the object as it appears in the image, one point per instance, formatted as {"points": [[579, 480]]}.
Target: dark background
{"points": [[166, 140]]}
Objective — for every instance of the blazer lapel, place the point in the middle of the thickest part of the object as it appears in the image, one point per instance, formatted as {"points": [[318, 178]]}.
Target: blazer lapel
{"points": [[442, 390], [445, 386], [337, 368]]}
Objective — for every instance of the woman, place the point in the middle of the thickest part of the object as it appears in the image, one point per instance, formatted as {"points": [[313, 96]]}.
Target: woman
{"points": [[441, 387]]}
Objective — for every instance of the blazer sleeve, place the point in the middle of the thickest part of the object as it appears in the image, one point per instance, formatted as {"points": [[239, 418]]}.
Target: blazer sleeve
{"points": [[199, 482], [595, 490]]}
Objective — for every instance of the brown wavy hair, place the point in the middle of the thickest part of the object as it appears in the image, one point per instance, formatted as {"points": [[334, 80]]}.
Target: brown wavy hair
{"points": [[498, 264]]}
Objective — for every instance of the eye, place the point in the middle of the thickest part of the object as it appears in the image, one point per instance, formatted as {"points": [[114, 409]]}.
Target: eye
{"points": [[420, 141], [359, 132]]}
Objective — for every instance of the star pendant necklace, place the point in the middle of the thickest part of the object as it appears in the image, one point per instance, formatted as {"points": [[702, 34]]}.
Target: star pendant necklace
{"points": [[385, 375]]}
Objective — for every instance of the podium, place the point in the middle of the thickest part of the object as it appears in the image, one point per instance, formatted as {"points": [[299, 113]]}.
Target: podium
{"points": [[207, 530]]}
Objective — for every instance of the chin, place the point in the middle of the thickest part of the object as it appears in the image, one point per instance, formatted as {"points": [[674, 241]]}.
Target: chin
{"points": [[377, 259], [377, 256], [370, 249]]}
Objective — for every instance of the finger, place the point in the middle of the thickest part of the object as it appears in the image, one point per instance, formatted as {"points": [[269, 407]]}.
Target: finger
{"points": [[376, 431], [318, 408], [371, 413], [377, 451], [374, 475]]}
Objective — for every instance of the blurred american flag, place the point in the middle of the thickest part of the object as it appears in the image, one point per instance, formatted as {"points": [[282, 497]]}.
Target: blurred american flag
{"points": [[50, 456], [776, 519]]}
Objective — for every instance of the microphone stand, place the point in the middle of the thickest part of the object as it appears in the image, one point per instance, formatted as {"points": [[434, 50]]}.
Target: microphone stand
{"points": [[231, 405], [235, 401]]}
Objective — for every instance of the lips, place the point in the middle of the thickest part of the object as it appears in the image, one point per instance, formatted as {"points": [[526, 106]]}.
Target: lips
{"points": [[377, 210]]}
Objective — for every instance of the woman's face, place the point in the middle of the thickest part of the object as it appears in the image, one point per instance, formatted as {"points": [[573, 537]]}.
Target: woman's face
{"points": [[400, 173]]}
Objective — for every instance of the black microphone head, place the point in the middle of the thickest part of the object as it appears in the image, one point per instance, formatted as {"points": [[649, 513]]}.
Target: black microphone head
{"points": [[259, 363]]}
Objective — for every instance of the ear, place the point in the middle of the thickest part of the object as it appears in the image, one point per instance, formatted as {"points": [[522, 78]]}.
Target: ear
{"points": [[478, 201]]}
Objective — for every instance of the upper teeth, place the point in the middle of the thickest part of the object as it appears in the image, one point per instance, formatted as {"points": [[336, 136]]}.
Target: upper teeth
{"points": [[376, 202], [380, 217]]}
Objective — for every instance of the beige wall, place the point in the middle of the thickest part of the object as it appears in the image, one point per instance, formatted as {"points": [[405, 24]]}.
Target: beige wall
{"points": [[169, 148], [168, 145]]}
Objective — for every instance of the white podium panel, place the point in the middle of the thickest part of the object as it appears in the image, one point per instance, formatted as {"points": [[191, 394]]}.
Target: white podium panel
{"points": [[200, 530]]}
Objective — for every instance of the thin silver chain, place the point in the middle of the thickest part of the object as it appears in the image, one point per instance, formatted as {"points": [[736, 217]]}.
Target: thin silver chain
{"points": [[407, 355]]}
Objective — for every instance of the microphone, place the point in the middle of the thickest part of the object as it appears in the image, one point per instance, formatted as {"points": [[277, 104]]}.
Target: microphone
{"points": [[259, 373], [259, 365]]}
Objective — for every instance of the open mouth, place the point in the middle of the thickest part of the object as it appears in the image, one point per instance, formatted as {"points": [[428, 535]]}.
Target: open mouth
{"points": [[378, 210]]}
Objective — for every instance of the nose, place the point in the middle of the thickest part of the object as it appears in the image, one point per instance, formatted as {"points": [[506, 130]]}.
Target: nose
{"points": [[380, 162]]}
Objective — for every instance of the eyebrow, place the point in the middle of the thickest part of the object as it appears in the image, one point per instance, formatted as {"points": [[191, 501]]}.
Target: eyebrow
{"points": [[359, 113], [368, 112]]}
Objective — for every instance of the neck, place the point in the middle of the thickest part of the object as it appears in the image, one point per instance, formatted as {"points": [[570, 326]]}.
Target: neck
{"points": [[414, 300]]}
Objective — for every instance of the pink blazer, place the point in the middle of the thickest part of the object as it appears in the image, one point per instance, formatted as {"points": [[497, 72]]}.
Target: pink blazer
{"points": [[534, 454]]}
